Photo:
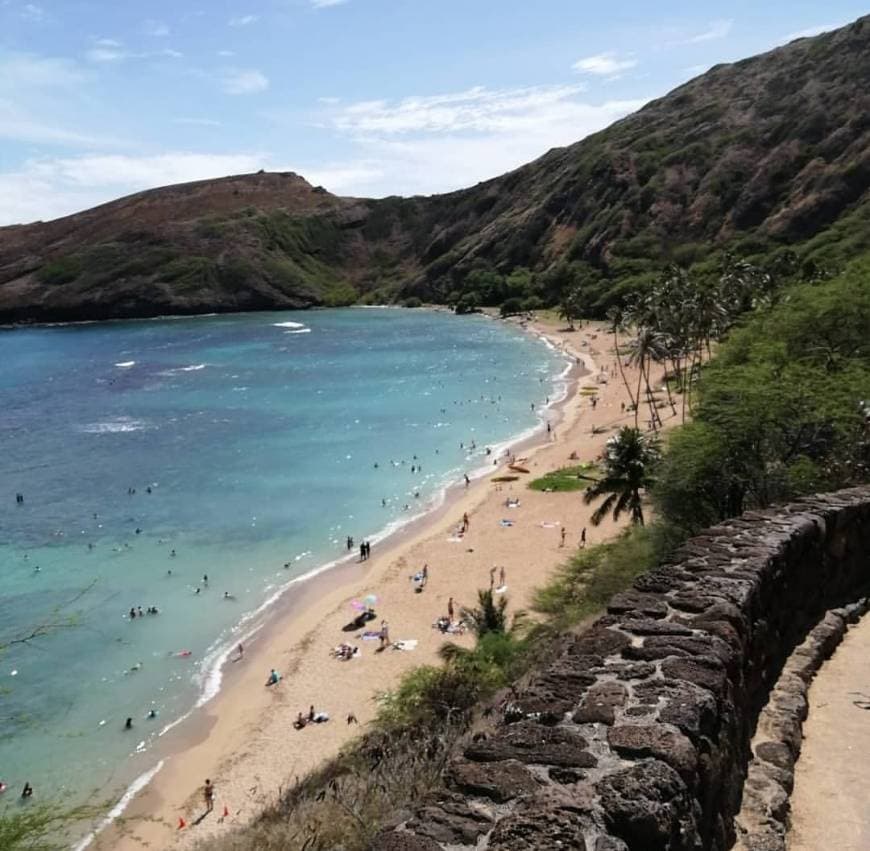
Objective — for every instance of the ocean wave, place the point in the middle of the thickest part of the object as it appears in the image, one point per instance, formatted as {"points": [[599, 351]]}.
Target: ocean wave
{"points": [[126, 364], [117, 811], [300, 331], [288, 324], [117, 426], [194, 368]]}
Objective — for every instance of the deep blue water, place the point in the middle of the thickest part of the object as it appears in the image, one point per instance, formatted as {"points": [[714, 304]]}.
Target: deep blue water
{"points": [[258, 442]]}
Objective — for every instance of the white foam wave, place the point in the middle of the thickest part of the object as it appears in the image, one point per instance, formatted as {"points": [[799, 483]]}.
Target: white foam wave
{"points": [[288, 324], [126, 364], [117, 426], [194, 368], [300, 331], [132, 790]]}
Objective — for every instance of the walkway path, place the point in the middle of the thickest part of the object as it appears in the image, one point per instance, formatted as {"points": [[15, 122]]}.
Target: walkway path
{"points": [[831, 799]]}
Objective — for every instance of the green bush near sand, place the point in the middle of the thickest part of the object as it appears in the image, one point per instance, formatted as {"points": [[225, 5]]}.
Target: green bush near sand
{"points": [[566, 479], [584, 584]]}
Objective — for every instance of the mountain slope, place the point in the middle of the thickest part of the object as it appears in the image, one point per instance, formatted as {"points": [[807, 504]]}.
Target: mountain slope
{"points": [[766, 154]]}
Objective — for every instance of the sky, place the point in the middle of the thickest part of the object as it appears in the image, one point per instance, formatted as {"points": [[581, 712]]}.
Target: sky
{"points": [[101, 98]]}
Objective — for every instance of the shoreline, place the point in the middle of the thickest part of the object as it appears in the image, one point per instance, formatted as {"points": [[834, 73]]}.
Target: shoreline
{"points": [[214, 747]]}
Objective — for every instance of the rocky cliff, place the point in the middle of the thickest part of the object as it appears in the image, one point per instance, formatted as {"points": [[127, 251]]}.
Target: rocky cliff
{"points": [[638, 736], [762, 155]]}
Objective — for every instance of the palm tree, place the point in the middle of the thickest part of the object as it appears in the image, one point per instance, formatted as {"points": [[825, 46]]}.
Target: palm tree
{"points": [[630, 459], [571, 306], [616, 325], [489, 619], [648, 346]]}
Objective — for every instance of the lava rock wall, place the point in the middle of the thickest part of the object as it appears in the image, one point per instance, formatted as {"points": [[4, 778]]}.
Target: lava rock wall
{"points": [[638, 735]]}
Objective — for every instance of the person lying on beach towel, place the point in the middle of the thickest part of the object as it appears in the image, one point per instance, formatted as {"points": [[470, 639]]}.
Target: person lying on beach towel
{"points": [[506, 522], [344, 652], [370, 635], [405, 644], [447, 627]]}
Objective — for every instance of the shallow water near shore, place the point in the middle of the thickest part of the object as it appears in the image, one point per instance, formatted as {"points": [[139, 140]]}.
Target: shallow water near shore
{"points": [[265, 440]]}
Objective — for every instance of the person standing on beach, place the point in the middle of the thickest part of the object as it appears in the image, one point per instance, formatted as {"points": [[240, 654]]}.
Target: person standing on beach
{"points": [[208, 794], [349, 543], [583, 538], [368, 550], [424, 578], [492, 578], [502, 578], [362, 551], [465, 522], [467, 480], [450, 609], [562, 542]]}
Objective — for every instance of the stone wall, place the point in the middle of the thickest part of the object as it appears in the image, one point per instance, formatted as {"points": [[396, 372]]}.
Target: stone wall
{"points": [[638, 735]]}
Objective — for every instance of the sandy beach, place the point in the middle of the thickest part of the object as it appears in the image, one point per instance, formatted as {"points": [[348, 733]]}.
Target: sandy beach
{"points": [[244, 739]]}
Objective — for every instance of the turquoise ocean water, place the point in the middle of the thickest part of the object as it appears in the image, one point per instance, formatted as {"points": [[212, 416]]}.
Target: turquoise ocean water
{"points": [[258, 436]]}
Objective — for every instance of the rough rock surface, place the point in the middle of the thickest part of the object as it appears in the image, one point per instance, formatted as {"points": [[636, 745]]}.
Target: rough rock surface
{"points": [[646, 742]]}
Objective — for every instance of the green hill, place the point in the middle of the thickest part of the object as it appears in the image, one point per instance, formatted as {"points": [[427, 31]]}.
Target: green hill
{"points": [[768, 157]]}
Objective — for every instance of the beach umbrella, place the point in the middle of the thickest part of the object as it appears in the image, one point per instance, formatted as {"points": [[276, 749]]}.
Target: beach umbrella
{"points": [[355, 604], [371, 600]]}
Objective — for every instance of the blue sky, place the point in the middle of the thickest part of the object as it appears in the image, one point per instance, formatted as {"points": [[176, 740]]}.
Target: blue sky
{"points": [[100, 98]]}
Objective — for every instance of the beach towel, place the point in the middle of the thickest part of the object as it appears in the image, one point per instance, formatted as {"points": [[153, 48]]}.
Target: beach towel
{"points": [[501, 589], [370, 636], [405, 644], [548, 524], [454, 540], [506, 522]]}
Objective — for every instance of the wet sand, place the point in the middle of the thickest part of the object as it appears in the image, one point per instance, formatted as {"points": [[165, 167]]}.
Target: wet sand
{"points": [[244, 740]]}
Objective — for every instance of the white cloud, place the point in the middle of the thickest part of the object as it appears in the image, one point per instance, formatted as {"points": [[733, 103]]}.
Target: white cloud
{"points": [[17, 124], [603, 64], [476, 109], [244, 82], [324, 4], [809, 32], [25, 70], [421, 145], [226, 53], [32, 12], [243, 20], [715, 31], [37, 95], [107, 50], [48, 188]]}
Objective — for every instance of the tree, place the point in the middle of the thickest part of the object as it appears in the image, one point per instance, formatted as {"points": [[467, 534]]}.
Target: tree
{"points": [[467, 304], [571, 306], [630, 459]]}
